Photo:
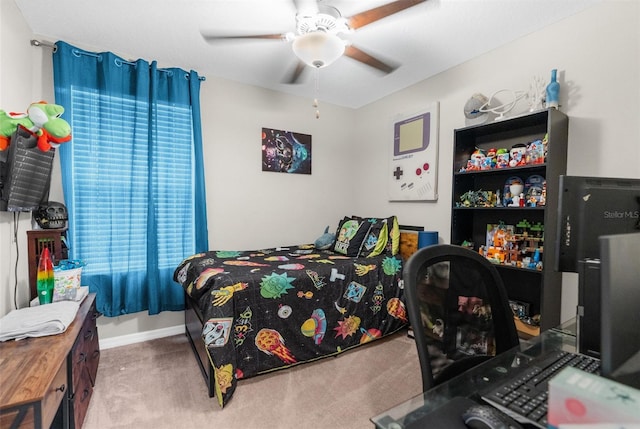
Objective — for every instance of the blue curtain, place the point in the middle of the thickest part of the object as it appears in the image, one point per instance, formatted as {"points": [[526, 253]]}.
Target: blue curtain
{"points": [[132, 176]]}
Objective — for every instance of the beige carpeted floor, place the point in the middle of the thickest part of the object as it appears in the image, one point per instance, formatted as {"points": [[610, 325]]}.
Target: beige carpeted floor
{"points": [[157, 384]]}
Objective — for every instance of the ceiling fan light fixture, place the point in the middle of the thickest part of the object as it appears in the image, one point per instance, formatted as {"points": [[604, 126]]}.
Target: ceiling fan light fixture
{"points": [[318, 49]]}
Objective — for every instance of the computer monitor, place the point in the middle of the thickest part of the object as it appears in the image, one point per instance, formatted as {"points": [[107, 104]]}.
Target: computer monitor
{"points": [[620, 308], [589, 207]]}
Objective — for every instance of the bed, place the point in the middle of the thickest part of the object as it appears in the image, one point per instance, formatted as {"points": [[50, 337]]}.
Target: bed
{"points": [[255, 311]]}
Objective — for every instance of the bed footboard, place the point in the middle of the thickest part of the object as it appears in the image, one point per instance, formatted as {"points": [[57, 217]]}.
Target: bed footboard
{"points": [[193, 321]]}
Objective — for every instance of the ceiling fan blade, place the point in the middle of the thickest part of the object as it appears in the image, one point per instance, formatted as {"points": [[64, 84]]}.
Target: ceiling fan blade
{"points": [[359, 55], [212, 38], [294, 77], [368, 16]]}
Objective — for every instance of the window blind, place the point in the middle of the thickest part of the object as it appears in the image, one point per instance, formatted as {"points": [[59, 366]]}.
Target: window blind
{"points": [[117, 171]]}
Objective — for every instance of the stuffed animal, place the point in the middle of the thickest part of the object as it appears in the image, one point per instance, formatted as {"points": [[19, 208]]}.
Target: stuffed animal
{"points": [[325, 241], [9, 122], [42, 119]]}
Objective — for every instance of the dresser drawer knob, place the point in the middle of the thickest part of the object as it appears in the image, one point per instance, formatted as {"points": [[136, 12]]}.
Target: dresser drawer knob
{"points": [[61, 388], [85, 394]]}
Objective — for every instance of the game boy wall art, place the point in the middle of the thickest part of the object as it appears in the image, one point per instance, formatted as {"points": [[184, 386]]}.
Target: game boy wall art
{"points": [[414, 156]]}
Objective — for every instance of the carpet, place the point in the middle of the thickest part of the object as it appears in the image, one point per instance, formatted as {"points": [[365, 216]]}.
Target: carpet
{"points": [[157, 384]]}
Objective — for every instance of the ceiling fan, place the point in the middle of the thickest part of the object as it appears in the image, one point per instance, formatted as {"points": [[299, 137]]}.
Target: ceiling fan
{"points": [[317, 40]]}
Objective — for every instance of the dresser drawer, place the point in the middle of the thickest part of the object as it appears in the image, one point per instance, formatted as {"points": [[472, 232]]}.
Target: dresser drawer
{"points": [[55, 394], [79, 402], [92, 348], [86, 350], [78, 359], [26, 415]]}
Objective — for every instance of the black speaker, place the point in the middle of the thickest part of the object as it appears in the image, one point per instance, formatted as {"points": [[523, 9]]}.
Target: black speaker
{"points": [[25, 173]]}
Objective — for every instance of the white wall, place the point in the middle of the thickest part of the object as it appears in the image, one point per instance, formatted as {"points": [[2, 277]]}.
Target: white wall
{"points": [[249, 208], [21, 82], [597, 53]]}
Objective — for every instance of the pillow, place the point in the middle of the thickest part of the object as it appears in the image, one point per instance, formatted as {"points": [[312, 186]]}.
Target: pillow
{"points": [[350, 236], [375, 241], [392, 243]]}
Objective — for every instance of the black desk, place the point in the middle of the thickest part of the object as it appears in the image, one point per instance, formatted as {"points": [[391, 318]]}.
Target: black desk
{"points": [[473, 383]]}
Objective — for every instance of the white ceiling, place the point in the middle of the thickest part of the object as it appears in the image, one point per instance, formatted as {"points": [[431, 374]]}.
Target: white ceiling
{"points": [[423, 40]]}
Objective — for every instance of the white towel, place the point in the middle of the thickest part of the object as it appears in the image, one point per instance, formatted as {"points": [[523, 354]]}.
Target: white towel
{"points": [[39, 321]]}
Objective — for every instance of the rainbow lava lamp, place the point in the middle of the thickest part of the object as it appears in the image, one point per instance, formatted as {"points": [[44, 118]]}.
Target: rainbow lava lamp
{"points": [[45, 278]]}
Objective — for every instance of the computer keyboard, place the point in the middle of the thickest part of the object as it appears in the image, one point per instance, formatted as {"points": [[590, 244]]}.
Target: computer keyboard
{"points": [[524, 397]]}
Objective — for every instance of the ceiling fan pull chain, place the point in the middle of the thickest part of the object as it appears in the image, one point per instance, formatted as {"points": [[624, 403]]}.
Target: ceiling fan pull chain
{"points": [[317, 90]]}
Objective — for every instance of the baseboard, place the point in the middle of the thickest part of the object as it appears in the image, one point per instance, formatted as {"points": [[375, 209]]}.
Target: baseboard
{"points": [[138, 337]]}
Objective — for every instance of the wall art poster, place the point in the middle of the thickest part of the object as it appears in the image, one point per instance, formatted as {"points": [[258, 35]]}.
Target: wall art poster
{"points": [[286, 151], [414, 156]]}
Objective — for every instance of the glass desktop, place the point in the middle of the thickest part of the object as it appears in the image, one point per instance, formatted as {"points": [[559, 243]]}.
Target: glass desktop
{"points": [[482, 378]]}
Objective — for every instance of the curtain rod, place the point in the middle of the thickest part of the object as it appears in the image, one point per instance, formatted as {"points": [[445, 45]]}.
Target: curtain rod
{"points": [[35, 42]]}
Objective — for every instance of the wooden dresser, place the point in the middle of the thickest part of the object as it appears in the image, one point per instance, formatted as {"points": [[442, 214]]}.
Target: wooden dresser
{"points": [[49, 380]]}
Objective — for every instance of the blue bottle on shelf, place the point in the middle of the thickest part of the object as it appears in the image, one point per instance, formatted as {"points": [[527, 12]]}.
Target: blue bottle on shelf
{"points": [[553, 90]]}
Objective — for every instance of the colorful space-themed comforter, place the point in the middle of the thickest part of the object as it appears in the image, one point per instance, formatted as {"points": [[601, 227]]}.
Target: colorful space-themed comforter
{"points": [[272, 308]]}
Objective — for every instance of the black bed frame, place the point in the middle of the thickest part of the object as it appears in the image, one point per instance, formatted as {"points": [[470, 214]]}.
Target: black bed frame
{"points": [[193, 323]]}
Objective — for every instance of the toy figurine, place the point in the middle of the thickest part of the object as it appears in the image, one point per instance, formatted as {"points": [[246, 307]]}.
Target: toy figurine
{"points": [[502, 158], [491, 155], [507, 200], [535, 152], [522, 227], [486, 163], [537, 230], [518, 155], [476, 161]]}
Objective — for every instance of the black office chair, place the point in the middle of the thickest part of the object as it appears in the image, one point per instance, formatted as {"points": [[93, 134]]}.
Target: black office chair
{"points": [[458, 310]]}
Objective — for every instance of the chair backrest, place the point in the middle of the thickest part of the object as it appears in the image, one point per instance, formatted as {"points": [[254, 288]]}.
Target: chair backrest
{"points": [[458, 309]]}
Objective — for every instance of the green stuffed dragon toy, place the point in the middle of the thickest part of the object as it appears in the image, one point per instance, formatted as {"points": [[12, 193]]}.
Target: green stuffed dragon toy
{"points": [[42, 120]]}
